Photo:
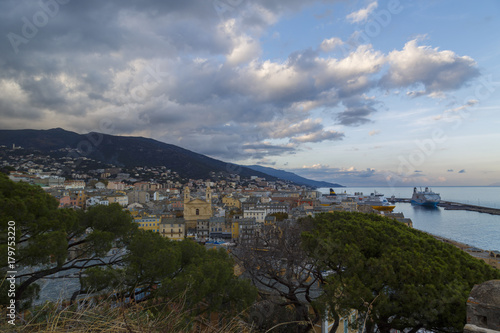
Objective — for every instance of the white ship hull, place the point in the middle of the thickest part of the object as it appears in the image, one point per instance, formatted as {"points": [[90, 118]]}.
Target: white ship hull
{"points": [[425, 197]]}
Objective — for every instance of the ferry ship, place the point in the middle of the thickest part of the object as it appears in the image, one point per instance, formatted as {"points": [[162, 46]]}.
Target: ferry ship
{"points": [[425, 198], [376, 201]]}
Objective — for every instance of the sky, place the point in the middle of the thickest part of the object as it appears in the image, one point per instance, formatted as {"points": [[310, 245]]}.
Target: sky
{"points": [[360, 93]]}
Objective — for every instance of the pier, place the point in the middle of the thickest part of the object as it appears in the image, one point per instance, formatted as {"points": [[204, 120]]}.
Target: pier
{"points": [[449, 205]]}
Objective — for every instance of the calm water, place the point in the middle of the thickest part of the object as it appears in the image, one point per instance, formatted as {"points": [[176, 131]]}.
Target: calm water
{"points": [[476, 229]]}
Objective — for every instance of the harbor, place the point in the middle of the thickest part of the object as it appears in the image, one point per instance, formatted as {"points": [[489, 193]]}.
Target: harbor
{"points": [[466, 215], [449, 205]]}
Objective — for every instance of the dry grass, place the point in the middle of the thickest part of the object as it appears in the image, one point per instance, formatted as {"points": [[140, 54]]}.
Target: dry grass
{"points": [[103, 316]]}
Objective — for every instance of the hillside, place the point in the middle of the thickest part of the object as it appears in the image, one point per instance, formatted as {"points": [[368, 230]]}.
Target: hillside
{"points": [[129, 152], [124, 151], [286, 175]]}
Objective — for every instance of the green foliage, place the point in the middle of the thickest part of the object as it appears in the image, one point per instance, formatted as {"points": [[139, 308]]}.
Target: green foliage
{"points": [[170, 270], [280, 216], [400, 278], [52, 240]]}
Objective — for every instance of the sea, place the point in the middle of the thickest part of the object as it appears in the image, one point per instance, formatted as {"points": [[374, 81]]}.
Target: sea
{"points": [[476, 229]]}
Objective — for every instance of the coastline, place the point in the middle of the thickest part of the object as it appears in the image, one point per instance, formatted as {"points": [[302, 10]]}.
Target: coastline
{"points": [[492, 258], [448, 205]]}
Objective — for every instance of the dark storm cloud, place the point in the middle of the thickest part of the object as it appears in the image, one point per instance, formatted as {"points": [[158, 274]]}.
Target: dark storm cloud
{"points": [[355, 115], [44, 93]]}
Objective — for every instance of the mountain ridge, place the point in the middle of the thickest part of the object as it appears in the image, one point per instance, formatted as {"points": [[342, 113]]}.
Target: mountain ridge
{"points": [[123, 151], [131, 151]]}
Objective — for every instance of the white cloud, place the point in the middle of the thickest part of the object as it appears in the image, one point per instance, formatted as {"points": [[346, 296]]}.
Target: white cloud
{"points": [[352, 72], [328, 45], [243, 47], [436, 70], [362, 14], [318, 136], [284, 129], [470, 103]]}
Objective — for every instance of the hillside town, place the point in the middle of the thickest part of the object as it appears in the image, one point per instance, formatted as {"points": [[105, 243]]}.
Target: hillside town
{"points": [[222, 209]]}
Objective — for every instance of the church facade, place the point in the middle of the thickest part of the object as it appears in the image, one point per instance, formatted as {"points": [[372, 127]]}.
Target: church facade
{"points": [[196, 209]]}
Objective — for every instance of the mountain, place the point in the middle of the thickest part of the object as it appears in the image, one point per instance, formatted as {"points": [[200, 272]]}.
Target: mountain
{"points": [[292, 177], [124, 151]]}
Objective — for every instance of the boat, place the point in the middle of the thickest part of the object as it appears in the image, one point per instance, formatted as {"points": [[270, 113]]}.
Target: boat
{"points": [[376, 200], [332, 198], [425, 198]]}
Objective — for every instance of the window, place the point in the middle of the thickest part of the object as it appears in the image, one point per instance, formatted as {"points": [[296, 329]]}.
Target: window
{"points": [[197, 211]]}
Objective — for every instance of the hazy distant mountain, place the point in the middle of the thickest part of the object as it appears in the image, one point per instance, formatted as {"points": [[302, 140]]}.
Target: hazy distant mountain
{"points": [[124, 151], [292, 177], [495, 184]]}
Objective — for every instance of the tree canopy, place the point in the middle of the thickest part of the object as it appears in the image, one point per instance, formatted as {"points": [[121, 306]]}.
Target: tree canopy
{"points": [[59, 242], [275, 261], [394, 276], [50, 240], [158, 268]]}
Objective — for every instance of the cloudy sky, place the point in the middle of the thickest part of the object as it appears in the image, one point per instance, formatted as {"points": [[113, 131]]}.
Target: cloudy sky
{"points": [[368, 92]]}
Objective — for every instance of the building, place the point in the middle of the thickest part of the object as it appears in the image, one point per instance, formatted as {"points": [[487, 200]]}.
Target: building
{"points": [[50, 181], [116, 186], [97, 200], [220, 228], [247, 228], [274, 207], [258, 214], [231, 202], [141, 197], [172, 228], [197, 209], [177, 204], [74, 184], [122, 200], [203, 229], [148, 222], [142, 186], [77, 198]]}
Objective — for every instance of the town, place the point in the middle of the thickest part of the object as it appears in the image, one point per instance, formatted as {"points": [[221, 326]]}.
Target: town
{"points": [[219, 210]]}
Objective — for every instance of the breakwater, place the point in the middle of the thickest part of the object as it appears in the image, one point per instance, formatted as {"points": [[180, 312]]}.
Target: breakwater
{"points": [[449, 205]]}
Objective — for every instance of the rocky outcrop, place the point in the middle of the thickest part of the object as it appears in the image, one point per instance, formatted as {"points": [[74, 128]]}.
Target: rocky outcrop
{"points": [[483, 308]]}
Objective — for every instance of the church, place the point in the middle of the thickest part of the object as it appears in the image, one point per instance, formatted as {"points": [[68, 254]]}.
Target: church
{"points": [[196, 209]]}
